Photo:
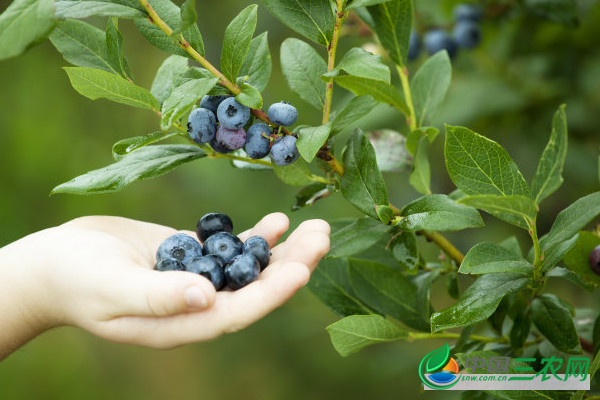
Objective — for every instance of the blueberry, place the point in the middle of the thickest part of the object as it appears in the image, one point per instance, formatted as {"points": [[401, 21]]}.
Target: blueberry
{"points": [[595, 260], [259, 248], [232, 115], [242, 270], [230, 139], [257, 146], [212, 102], [212, 223], [180, 247], [439, 39], [209, 267], [283, 114], [413, 46], [216, 146], [223, 244], [467, 34], [467, 12], [284, 151], [202, 125], [169, 264]]}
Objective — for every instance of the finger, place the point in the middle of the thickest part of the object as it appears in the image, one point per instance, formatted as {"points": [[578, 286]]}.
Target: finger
{"points": [[318, 225], [307, 249], [270, 227]]}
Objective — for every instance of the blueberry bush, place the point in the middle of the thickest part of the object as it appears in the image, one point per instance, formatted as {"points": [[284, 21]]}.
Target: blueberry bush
{"points": [[375, 277]]}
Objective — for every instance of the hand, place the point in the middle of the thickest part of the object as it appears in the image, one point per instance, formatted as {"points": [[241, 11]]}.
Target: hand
{"points": [[97, 273]]}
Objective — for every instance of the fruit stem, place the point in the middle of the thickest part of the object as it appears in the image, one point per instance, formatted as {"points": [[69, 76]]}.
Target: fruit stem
{"points": [[411, 120], [445, 245]]}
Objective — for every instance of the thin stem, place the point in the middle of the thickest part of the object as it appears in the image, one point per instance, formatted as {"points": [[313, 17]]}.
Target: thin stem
{"points": [[331, 50], [411, 120], [155, 19], [537, 258], [445, 245], [449, 335]]}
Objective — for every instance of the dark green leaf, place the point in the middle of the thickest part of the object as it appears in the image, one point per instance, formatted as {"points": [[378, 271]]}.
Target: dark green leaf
{"points": [[517, 210], [548, 176], [381, 91], [362, 183], [126, 146], [308, 195], [559, 272], [438, 212], [302, 67], [314, 19], [429, 86], [182, 98], [23, 24], [554, 321], [357, 236], [310, 140], [390, 150], [392, 22], [352, 333], [561, 11], [577, 259], [404, 249], [146, 162], [596, 336], [359, 62], [86, 8], [512, 244], [167, 77], [420, 176], [520, 329], [188, 16], [357, 108], [479, 301], [452, 286], [423, 282], [94, 84], [114, 42], [363, 3], [237, 42], [295, 174], [496, 320], [485, 258], [249, 96], [555, 253], [257, 64], [412, 140]]}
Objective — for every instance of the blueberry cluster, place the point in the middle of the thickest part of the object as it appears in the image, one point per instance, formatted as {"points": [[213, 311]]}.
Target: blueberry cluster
{"points": [[223, 259], [220, 121], [595, 260], [466, 33]]}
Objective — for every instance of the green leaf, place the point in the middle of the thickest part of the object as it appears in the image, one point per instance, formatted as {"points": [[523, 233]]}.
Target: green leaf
{"points": [[570, 220], [23, 24], [331, 284], [167, 77], [423, 282], [249, 96], [517, 210], [146, 162], [302, 67], [85, 8], [485, 258], [83, 45], [452, 285], [561, 11], [387, 290], [420, 176], [314, 19], [429, 86], [182, 98], [257, 64], [362, 183], [114, 42], [559, 272], [385, 213], [554, 321], [357, 236], [381, 91], [363, 3], [236, 42], [577, 259], [295, 174], [548, 176], [478, 165], [390, 150], [479, 301], [94, 84], [440, 213], [188, 16], [308, 195], [404, 249], [126, 146], [520, 329], [412, 140], [555, 253], [352, 333], [359, 62], [512, 244], [393, 22], [357, 108], [171, 15], [310, 140]]}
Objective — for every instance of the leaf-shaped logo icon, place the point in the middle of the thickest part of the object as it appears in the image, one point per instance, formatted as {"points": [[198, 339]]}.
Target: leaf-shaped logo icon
{"points": [[437, 358]]}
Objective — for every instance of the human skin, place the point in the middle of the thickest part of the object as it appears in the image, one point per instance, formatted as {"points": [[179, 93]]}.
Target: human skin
{"points": [[97, 273]]}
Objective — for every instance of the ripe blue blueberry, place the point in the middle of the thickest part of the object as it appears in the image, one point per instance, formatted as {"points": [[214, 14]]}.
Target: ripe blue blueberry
{"points": [[257, 146], [467, 34], [169, 264], [212, 223], [212, 102], [202, 125], [232, 115], [595, 260], [209, 267], [413, 46], [224, 245], [283, 114], [180, 247], [242, 270], [259, 248], [284, 151], [439, 39], [230, 139], [470, 12]]}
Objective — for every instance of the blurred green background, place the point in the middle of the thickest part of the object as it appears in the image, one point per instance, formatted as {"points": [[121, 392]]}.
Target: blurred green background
{"points": [[507, 89]]}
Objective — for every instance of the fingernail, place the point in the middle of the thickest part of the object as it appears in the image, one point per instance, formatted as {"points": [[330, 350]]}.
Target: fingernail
{"points": [[194, 297]]}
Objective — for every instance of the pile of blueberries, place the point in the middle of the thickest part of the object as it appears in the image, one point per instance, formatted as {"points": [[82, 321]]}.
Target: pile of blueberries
{"points": [[466, 33], [224, 259], [220, 121]]}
